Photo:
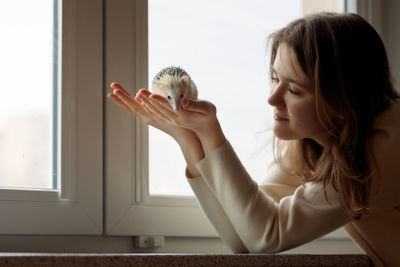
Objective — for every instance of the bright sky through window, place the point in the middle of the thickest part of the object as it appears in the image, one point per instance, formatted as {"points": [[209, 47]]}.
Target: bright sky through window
{"points": [[223, 46], [26, 79]]}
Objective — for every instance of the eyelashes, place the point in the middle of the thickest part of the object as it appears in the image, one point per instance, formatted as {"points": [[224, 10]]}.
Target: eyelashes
{"points": [[294, 92], [275, 80]]}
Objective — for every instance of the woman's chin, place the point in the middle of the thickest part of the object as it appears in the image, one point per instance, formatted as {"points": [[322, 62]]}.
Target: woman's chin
{"points": [[284, 134]]}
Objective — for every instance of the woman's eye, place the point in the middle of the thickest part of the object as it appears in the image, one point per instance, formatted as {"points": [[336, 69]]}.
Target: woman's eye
{"points": [[274, 79], [169, 97], [293, 91]]}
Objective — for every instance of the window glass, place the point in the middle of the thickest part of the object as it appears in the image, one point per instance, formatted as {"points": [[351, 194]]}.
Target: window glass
{"points": [[26, 84], [223, 47]]}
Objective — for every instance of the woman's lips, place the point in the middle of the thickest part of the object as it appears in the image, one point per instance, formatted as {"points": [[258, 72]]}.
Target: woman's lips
{"points": [[279, 118]]}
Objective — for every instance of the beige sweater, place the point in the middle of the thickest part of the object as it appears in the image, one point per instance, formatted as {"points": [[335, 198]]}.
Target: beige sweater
{"points": [[282, 213]]}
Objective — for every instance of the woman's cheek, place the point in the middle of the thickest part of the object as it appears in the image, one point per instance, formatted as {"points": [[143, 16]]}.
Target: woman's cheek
{"points": [[304, 113]]}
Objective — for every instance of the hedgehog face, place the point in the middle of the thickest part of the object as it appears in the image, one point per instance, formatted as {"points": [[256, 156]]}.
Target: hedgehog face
{"points": [[175, 97]]}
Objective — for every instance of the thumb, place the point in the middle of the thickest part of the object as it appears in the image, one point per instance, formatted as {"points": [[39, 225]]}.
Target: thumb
{"points": [[200, 106]]}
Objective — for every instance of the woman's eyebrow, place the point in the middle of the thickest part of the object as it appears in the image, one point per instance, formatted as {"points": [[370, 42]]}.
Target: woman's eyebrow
{"points": [[291, 80]]}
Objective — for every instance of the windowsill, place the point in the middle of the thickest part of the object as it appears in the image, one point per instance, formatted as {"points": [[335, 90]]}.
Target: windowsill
{"points": [[41, 259]]}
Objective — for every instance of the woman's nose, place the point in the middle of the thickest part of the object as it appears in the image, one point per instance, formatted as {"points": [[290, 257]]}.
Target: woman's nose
{"points": [[276, 98]]}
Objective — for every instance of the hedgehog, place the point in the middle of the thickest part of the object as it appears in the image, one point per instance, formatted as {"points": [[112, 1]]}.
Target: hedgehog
{"points": [[174, 84]]}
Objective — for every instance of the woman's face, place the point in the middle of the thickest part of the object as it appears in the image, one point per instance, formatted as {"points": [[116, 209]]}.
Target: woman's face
{"points": [[293, 99]]}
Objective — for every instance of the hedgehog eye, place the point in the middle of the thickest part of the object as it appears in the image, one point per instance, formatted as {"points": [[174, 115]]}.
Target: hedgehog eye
{"points": [[182, 95], [169, 97]]}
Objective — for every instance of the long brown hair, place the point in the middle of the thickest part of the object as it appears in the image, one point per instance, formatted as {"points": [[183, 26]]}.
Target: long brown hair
{"points": [[346, 60]]}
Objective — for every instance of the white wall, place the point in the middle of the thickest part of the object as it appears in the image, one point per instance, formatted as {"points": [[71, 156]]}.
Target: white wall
{"points": [[390, 21]]}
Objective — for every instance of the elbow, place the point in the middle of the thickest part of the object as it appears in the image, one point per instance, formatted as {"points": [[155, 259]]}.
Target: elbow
{"points": [[266, 250], [239, 249], [262, 246]]}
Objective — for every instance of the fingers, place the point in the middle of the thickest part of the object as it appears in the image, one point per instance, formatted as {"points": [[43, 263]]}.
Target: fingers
{"points": [[116, 100], [140, 96], [200, 106], [115, 85], [150, 108], [161, 101], [163, 107], [125, 100], [143, 92], [157, 102], [119, 89]]}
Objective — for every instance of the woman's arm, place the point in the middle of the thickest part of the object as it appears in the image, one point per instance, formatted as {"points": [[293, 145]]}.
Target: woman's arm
{"points": [[263, 225], [192, 150], [217, 215], [266, 226]]}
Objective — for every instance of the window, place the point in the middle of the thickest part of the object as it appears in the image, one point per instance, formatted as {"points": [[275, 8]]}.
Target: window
{"points": [[91, 52], [224, 49], [56, 56], [25, 116]]}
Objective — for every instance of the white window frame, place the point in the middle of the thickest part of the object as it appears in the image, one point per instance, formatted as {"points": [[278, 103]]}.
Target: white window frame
{"points": [[130, 210], [77, 208]]}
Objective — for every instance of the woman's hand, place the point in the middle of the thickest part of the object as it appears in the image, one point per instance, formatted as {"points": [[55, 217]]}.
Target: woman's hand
{"points": [[198, 116], [130, 104], [141, 106]]}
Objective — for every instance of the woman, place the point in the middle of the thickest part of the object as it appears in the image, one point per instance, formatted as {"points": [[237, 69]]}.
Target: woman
{"points": [[337, 144]]}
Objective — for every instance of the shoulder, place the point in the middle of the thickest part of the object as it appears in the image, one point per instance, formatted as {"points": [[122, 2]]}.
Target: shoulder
{"points": [[277, 175], [385, 153], [389, 118], [385, 136], [279, 183]]}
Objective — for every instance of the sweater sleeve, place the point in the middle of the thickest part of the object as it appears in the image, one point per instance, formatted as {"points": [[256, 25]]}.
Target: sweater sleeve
{"points": [[216, 214], [272, 217]]}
